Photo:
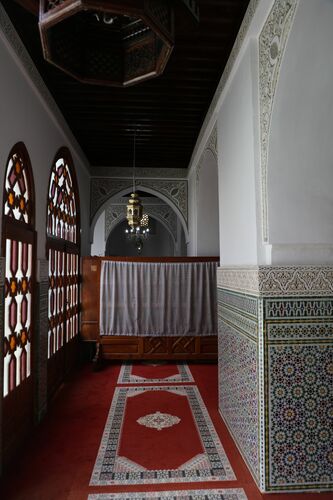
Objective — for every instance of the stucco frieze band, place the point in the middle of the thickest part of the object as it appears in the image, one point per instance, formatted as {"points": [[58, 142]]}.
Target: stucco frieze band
{"points": [[148, 173], [277, 280], [272, 43]]}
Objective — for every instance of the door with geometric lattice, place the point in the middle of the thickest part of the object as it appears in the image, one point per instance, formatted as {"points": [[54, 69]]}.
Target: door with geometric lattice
{"points": [[18, 248], [63, 257]]}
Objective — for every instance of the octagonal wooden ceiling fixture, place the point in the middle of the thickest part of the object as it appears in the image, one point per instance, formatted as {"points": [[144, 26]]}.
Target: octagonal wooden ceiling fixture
{"points": [[107, 42]]}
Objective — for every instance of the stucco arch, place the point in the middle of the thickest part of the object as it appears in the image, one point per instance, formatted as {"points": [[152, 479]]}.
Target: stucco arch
{"points": [[149, 190]]}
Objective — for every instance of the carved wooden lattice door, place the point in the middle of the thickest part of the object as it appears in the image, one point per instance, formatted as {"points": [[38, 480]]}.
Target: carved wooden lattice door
{"points": [[18, 247], [63, 255]]}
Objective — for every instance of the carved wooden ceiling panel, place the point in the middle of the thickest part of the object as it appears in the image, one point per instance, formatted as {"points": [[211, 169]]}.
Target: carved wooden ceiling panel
{"points": [[167, 112]]}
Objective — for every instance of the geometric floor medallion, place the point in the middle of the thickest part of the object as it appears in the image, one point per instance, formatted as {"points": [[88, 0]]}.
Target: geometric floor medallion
{"points": [[158, 420], [159, 434]]}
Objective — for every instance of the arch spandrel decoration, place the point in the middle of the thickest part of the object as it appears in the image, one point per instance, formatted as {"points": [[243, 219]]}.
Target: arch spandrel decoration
{"points": [[18, 247], [175, 191], [272, 43], [210, 146], [63, 253]]}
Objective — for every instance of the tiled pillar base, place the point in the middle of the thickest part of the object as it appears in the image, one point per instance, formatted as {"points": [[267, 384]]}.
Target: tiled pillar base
{"points": [[276, 372]]}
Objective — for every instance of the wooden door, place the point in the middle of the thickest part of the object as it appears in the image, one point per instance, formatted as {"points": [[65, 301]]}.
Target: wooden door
{"points": [[62, 251], [18, 248]]}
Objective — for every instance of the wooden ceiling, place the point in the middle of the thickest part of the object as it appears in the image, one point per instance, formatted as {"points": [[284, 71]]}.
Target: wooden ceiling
{"points": [[166, 112]]}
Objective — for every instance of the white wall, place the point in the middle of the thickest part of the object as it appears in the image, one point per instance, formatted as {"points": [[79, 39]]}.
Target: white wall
{"points": [[25, 117], [236, 162], [208, 242], [300, 163], [98, 243]]}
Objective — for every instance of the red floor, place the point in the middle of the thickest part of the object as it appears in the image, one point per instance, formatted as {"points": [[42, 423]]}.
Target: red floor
{"points": [[57, 462]]}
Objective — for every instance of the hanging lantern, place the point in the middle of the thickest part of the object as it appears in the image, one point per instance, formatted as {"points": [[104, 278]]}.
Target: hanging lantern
{"points": [[107, 42], [134, 211]]}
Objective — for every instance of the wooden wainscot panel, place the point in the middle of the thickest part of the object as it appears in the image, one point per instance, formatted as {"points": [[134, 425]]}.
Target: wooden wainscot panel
{"points": [[119, 346], [155, 345], [208, 345], [182, 345]]}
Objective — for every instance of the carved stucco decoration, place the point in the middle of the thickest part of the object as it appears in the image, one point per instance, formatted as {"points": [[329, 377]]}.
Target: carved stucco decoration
{"points": [[210, 146], [270, 281], [272, 43], [151, 173], [212, 141], [175, 190], [114, 214]]}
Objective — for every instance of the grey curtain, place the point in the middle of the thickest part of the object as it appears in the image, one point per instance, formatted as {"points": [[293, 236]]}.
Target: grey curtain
{"points": [[158, 298]]}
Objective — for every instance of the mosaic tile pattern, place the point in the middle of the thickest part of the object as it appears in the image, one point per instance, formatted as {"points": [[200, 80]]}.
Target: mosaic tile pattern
{"points": [[299, 331], [216, 494], [239, 321], [238, 393], [300, 414], [244, 303], [299, 308], [238, 377], [279, 383]]}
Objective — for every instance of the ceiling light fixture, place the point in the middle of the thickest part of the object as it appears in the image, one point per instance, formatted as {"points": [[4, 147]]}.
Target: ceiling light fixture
{"points": [[110, 42], [138, 229]]}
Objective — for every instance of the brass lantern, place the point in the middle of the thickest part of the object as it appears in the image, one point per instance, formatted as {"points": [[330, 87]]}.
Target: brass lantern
{"points": [[134, 211]]}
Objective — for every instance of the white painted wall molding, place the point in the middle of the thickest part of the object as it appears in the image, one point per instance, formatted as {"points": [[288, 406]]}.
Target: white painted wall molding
{"points": [[270, 281], [23, 60], [272, 42]]}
